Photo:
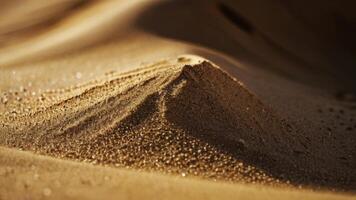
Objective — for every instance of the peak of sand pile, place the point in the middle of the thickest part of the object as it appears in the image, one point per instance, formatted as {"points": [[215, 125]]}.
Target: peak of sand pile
{"points": [[188, 118]]}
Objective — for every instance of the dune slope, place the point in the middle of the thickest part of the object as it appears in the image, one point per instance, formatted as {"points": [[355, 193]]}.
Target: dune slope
{"points": [[189, 118]]}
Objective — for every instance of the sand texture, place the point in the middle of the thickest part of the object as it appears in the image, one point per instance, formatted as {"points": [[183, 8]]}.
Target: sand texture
{"points": [[27, 176], [149, 99]]}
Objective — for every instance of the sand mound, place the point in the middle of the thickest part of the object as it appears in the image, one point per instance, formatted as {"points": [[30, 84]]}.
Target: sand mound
{"points": [[187, 118]]}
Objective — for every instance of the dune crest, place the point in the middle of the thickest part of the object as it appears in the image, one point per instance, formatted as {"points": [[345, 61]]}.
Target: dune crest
{"points": [[139, 120], [187, 118]]}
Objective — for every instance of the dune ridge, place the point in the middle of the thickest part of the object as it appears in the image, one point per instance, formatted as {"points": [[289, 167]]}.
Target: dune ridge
{"points": [[134, 120], [188, 118]]}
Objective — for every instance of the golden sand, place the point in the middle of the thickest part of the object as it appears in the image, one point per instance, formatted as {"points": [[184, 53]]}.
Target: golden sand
{"points": [[182, 116], [24, 175], [140, 119], [197, 99]]}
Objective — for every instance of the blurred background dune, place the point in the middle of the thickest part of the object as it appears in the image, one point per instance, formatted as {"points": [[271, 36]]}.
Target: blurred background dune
{"points": [[313, 39]]}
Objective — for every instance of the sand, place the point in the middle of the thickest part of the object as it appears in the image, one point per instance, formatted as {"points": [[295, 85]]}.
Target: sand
{"points": [[25, 175], [142, 120], [104, 107]]}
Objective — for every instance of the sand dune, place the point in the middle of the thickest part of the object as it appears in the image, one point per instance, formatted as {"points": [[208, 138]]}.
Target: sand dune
{"points": [[183, 116], [196, 99], [172, 117]]}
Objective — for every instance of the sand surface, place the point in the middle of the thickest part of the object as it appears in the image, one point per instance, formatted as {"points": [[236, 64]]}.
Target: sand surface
{"points": [[27, 176], [200, 99]]}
